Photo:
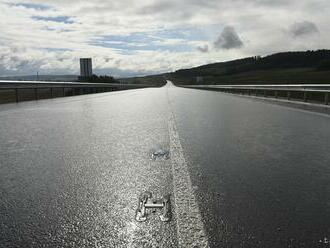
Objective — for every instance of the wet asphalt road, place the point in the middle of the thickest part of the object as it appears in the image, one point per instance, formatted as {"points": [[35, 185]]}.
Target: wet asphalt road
{"points": [[71, 170]]}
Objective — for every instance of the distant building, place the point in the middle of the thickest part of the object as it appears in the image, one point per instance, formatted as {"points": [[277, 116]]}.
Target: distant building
{"points": [[86, 69]]}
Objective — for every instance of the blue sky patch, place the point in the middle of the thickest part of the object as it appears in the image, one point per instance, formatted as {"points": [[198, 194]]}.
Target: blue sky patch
{"points": [[155, 41], [62, 19], [57, 49], [33, 6], [183, 33]]}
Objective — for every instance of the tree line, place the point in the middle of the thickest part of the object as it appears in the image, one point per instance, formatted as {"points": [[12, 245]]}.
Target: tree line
{"points": [[319, 60], [99, 79]]}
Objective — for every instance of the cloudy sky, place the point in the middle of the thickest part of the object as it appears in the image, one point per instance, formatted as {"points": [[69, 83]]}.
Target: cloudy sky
{"points": [[131, 37]]}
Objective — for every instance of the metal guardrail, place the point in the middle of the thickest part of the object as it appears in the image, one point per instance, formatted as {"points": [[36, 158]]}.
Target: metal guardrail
{"points": [[47, 84], [303, 92], [67, 88]]}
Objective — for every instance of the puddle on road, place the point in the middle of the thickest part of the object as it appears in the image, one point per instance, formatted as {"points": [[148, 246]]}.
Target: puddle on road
{"points": [[160, 154]]}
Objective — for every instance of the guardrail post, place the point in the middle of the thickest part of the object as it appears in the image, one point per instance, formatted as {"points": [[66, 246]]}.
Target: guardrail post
{"points": [[36, 93], [265, 93], [305, 96], [73, 93], [288, 95], [51, 92], [276, 94], [16, 94], [326, 98], [63, 91]]}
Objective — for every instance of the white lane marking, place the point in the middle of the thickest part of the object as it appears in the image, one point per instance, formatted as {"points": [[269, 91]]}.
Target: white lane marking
{"points": [[190, 227]]}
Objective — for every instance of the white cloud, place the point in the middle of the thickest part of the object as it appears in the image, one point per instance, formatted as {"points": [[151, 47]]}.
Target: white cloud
{"points": [[151, 36]]}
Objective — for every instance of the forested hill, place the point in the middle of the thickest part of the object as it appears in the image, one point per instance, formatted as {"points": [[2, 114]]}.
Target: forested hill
{"points": [[287, 67]]}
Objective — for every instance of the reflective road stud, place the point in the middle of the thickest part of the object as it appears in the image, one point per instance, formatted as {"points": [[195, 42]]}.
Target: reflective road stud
{"points": [[166, 216], [146, 202]]}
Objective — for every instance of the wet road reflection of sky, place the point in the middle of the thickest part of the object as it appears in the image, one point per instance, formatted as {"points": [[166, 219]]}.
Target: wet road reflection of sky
{"points": [[71, 170], [261, 170]]}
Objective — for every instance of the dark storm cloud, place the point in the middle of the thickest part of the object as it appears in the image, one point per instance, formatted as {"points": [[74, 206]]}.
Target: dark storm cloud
{"points": [[228, 39], [303, 28]]}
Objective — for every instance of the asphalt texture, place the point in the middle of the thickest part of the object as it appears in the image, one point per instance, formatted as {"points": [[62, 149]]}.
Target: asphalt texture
{"points": [[71, 171]]}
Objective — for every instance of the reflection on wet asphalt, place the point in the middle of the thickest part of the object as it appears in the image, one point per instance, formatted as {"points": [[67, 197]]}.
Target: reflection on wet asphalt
{"points": [[261, 170], [71, 170]]}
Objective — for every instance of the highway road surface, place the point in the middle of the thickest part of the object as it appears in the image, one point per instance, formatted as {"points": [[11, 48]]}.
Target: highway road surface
{"points": [[240, 172]]}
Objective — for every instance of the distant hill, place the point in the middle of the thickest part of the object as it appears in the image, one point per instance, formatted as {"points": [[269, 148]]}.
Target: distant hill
{"points": [[288, 67], [54, 78], [157, 80], [281, 68]]}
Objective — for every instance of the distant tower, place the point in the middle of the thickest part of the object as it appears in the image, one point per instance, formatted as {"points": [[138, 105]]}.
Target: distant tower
{"points": [[86, 69]]}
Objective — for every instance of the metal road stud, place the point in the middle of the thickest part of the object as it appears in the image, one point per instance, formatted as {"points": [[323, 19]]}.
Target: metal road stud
{"points": [[160, 153], [166, 216], [146, 202], [141, 213]]}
